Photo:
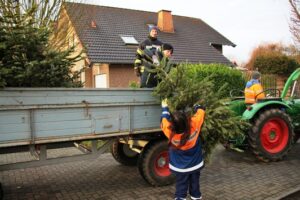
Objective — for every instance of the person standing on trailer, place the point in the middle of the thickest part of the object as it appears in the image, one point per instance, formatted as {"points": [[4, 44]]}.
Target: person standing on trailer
{"points": [[152, 44], [151, 61]]}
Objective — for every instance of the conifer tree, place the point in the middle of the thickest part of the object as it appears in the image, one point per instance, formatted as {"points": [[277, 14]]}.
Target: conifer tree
{"points": [[183, 90], [26, 57]]}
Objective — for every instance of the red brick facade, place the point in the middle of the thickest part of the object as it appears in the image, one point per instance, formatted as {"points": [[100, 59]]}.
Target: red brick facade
{"points": [[118, 76], [121, 75]]}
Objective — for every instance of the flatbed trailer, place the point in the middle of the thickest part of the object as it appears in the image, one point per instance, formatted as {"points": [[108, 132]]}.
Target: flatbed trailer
{"points": [[126, 120]]}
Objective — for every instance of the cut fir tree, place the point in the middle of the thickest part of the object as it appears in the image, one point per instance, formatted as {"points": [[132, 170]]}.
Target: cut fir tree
{"points": [[183, 88]]}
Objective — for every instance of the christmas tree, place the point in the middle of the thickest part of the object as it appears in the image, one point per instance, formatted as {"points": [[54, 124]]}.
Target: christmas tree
{"points": [[183, 89]]}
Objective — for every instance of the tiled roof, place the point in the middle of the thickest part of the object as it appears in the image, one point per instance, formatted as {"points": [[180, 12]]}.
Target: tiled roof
{"points": [[191, 40]]}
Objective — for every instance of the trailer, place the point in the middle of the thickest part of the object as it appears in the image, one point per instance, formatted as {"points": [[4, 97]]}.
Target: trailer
{"points": [[127, 121]]}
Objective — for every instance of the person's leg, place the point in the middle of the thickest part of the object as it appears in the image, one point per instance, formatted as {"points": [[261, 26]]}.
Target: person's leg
{"points": [[182, 183], [143, 80], [194, 185]]}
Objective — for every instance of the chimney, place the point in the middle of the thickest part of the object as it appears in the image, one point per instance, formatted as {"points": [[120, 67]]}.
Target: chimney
{"points": [[165, 21]]}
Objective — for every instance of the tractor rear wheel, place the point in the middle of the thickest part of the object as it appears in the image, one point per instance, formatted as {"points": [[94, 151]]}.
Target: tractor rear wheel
{"points": [[271, 136], [154, 164], [296, 138], [123, 154]]}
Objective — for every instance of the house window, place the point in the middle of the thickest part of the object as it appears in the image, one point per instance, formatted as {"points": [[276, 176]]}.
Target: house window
{"points": [[129, 40], [101, 81], [218, 47]]}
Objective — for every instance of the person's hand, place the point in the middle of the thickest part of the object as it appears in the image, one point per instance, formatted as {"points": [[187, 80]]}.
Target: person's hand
{"points": [[164, 103]]}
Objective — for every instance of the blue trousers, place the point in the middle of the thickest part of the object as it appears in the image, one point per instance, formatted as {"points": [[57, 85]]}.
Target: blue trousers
{"points": [[188, 182]]}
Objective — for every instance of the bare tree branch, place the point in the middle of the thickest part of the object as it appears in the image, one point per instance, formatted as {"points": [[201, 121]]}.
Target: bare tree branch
{"points": [[295, 21]]}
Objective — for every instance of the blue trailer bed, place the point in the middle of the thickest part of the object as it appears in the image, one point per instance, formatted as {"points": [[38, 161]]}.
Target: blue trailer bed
{"points": [[48, 115]]}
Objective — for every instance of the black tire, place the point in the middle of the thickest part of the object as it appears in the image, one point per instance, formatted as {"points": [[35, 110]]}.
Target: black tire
{"points": [[1, 192], [123, 154], [271, 136], [153, 164], [296, 138]]}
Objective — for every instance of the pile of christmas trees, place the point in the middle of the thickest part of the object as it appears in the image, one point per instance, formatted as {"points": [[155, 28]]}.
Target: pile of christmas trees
{"points": [[183, 88]]}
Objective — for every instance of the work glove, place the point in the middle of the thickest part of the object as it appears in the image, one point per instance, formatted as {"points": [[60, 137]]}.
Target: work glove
{"points": [[198, 106], [164, 103]]}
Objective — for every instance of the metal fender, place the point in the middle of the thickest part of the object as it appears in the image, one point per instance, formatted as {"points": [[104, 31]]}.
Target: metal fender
{"points": [[250, 113]]}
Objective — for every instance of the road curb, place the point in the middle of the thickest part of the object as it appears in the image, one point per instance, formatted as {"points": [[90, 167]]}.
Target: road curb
{"points": [[285, 194]]}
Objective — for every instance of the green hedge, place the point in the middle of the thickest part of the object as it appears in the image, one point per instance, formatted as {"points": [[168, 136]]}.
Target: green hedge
{"points": [[221, 76], [275, 64]]}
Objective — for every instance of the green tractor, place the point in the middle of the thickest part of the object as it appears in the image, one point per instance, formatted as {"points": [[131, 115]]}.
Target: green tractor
{"points": [[275, 121]]}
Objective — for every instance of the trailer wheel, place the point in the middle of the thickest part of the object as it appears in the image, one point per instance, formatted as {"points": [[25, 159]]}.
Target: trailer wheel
{"points": [[1, 192], [154, 164], [271, 136], [123, 154]]}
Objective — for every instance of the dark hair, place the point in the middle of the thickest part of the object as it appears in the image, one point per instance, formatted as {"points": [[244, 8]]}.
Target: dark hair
{"points": [[167, 46], [180, 125]]}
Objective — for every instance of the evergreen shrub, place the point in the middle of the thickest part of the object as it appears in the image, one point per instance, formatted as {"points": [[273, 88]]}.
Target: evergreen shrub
{"points": [[221, 76], [275, 64]]}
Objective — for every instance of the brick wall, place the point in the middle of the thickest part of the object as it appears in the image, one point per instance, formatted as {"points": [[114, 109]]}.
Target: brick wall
{"points": [[118, 76], [121, 75], [88, 78]]}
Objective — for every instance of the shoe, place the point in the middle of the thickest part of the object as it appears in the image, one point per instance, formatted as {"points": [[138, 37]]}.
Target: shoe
{"points": [[195, 198]]}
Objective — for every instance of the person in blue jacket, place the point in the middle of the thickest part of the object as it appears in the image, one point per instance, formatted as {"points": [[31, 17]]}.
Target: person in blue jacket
{"points": [[185, 151]]}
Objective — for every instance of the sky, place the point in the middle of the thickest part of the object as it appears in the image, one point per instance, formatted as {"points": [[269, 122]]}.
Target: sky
{"points": [[247, 23]]}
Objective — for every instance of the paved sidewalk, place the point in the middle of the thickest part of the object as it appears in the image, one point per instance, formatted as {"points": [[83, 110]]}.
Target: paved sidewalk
{"points": [[230, 175], [294, 194]]}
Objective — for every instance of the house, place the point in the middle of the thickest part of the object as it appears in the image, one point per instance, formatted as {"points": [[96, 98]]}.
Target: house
{"points": [[111, 35]]}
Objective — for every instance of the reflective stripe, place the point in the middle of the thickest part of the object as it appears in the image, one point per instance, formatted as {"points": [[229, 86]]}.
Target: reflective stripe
{"points": [[142, 69], [187, 169], [191, 137], [137, 61], [165, 113], [249, 91], [153, 46], [139, 51]]}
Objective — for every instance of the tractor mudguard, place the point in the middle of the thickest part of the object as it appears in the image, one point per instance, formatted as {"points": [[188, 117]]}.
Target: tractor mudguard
{"points": [[250, 113]]}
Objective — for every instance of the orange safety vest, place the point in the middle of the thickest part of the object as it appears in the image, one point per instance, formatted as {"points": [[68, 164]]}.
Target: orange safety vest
{"points": [[253, 93], [196, 122]]}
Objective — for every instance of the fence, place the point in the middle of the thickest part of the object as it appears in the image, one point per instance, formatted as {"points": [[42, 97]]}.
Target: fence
{"points": [[268, 81]]}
